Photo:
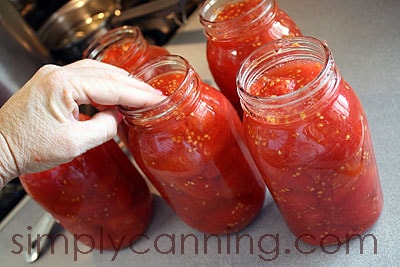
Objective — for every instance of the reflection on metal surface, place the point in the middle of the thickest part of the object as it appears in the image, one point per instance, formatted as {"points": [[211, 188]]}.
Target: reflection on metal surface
{"points": [[21, 52], [42, 228]]}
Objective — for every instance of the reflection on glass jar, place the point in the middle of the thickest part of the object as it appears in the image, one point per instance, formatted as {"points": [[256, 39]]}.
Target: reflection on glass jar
{"points": [[98, 196], [309, 136], [236, 28], [190, 147]]}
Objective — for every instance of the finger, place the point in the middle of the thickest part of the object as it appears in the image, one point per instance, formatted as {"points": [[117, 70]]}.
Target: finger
{"points": [[91, 68], [91, 63], [97, 130], [109, 92], [112, 88]]}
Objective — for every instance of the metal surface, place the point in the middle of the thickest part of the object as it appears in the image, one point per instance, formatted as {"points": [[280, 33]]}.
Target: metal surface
{"points": [[21, 53], [71, 28], [145, 10], [69, 31], [41, 229]]}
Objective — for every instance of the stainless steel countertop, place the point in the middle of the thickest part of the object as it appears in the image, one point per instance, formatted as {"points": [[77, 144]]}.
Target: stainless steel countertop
{"points": [[364, 36]]}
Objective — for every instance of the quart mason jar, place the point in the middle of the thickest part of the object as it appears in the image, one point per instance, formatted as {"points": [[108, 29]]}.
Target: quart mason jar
{"points": [[99, 197], [124, 47], [308, 134], [190, 147], [235, 28]]}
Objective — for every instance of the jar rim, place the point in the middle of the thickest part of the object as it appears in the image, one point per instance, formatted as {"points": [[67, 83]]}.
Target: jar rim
{"points": [[278, 52], [208, 13], [99, 45], [177, 64]]}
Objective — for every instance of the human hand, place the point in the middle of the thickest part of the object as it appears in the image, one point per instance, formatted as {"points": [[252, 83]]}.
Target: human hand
{"points": [[39, 124]]}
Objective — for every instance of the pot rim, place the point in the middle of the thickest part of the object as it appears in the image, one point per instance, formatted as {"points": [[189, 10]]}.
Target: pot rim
{"points": [[71, 16]]}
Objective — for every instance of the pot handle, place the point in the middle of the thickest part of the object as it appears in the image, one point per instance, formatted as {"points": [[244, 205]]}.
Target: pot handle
{"points": [[147, 9], [43, 227]]}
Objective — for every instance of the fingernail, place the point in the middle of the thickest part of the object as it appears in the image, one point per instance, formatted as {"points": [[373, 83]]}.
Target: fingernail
{"points": [[159, 92]]}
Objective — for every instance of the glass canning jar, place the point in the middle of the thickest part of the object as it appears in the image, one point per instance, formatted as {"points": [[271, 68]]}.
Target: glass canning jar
{"points": [[99, 196], [190, 147], [235, 28], [309, 136]]}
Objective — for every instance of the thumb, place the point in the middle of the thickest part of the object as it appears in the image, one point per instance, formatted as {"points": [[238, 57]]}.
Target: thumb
{"points": [[97, 130]]}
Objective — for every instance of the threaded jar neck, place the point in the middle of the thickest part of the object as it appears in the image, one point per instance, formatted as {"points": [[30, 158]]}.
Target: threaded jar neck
{"points": [[129, 36], [262, 12], [291, 106], [186, 92]]}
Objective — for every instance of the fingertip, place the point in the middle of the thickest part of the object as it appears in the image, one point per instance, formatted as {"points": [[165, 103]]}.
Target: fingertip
{"points": [[158, 92], [107, 119]]}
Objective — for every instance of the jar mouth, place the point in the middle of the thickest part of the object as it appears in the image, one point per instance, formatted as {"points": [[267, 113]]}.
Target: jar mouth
{"points": [[160, 66], [96, 49], [279, 52], [210, 9]]}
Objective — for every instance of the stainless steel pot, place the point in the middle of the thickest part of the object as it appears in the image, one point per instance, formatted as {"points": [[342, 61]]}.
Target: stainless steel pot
{"points": [[72, 27], [76, 24]]}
